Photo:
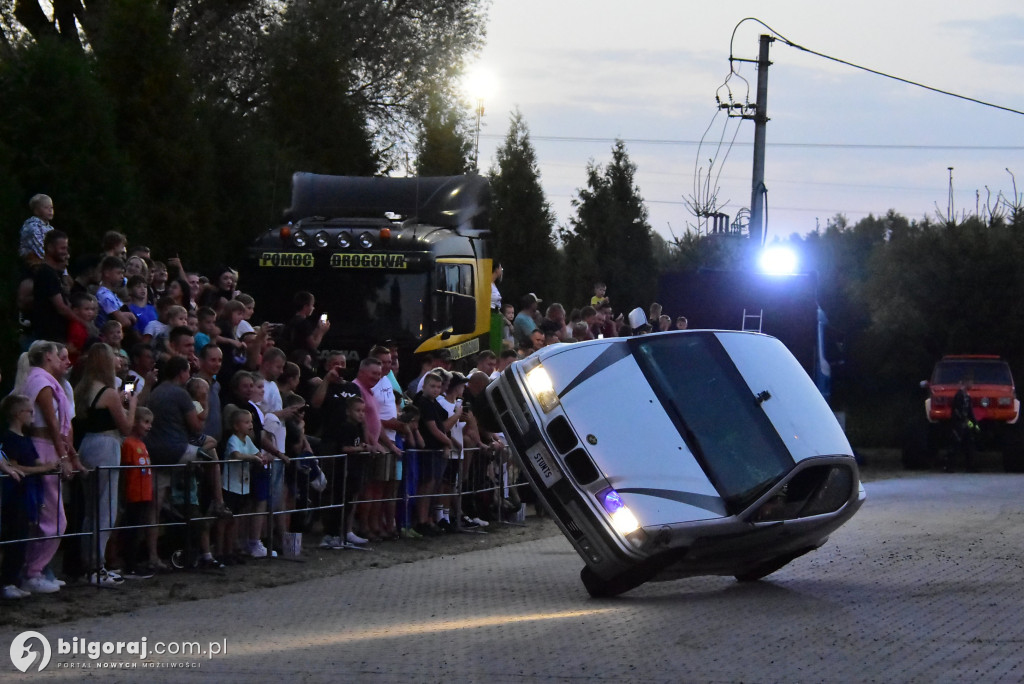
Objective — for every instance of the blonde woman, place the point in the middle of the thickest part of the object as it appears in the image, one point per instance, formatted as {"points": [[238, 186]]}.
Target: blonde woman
{"points": [[105, 417], [52, 438]]}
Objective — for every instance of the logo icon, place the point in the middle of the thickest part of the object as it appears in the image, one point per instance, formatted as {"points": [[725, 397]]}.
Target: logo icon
{"points": [[24, 656]]}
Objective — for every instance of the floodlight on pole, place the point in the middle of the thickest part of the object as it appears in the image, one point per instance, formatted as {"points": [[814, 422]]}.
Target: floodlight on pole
{"points": [[479, 84]]}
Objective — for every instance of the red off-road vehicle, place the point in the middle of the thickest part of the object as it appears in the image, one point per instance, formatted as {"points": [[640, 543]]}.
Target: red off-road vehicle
{"points": [[989, 384]]}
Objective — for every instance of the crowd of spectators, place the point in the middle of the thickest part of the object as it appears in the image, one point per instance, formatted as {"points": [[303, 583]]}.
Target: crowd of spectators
{"points": [[132, 362]]}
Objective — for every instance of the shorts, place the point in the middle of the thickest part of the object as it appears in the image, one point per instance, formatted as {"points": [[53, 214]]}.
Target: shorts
{"points": [[358, 470], [432, 465], [451, 471], [198, 441], [382, 468], [235, 501], [164, 475]]}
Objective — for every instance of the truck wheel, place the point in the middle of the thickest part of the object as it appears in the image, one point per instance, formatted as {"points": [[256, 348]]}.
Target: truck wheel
{"points": [[602, 588]]}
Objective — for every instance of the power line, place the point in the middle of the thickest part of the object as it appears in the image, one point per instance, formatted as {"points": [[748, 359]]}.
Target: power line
{"points": [[790, 43], [841, 146]]}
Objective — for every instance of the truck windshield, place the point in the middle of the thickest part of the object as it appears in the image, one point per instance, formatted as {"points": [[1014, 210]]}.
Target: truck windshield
{"points": [[716, 414], [973, 372], [363, 305]]}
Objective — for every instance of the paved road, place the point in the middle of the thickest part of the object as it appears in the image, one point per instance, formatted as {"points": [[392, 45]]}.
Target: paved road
{"points": [[923, 585]]}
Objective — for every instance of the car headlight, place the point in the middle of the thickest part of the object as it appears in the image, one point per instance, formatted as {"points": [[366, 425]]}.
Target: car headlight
{"points": [[539, 383], [623, 519]]}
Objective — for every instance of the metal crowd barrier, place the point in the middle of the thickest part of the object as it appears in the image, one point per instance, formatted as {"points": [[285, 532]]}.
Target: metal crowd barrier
{"points": [[494, 480]]}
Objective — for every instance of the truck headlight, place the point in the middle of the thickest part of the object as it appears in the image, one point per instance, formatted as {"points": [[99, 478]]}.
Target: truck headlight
{"points": [[539, 383], [623, 519]]}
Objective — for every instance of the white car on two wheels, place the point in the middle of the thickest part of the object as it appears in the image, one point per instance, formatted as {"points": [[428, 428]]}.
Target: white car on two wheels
{"points": [[679, 454]]}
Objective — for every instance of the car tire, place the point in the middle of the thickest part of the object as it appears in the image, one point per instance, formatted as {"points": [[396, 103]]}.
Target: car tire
{"points": [[768, 567], [602, 588]]}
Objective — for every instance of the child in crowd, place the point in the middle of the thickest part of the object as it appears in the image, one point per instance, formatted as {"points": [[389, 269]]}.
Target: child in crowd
{"points": [[266, 443], [411, 445], [508, 314], [139, 502], [21, 497], [344, 486], [138, 303], [245, 326], [111, 282], [434, 459], [157, 282], [207, 327], [600, 295], [112, 334], [240, 456], [174, 316], [85, 306], [193, 322]]}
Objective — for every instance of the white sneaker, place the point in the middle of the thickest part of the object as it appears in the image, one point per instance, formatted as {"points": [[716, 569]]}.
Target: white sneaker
{"points": [[39, 585], [106, 580], [481, 522], [257, 549], [353, 538], [330, 542], [13, 592]]}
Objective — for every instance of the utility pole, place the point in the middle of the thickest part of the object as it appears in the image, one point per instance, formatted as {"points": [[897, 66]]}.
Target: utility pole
{"points": [[760, 132]]}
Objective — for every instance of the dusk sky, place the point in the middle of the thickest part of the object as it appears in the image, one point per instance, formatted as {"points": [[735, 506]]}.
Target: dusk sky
{"points": [[840, 140]]}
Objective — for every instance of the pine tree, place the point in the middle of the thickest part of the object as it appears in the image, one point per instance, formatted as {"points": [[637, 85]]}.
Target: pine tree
{"points": [[443, 148], [522, 221], [610, 239]]}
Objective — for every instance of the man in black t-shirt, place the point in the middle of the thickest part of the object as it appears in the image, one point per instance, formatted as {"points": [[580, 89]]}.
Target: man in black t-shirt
{"points": [[50, 310], [331, 397]]}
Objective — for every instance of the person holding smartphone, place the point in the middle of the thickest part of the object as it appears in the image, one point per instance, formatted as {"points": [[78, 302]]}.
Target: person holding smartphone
{"points": [[105, 416], [303, 331]]}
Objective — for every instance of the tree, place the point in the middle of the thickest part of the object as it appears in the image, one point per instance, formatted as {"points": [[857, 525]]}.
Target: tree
{"points": [[443, 148], [144, 73], [61, 140], [610, 239], [522, 222]]}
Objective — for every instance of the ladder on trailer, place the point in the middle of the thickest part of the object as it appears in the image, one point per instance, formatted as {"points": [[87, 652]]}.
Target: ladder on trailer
{"points": [[752, 321]]}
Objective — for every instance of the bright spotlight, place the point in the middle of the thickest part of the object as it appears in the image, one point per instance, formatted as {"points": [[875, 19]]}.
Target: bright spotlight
{"points": [[778, 261], [479, 84]]}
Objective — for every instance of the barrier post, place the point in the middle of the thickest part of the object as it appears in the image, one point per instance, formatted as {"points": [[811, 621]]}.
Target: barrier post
{"points": [[98, 560]]}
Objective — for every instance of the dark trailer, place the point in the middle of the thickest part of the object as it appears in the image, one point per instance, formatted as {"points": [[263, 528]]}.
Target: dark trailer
{"points": [[783, 306], [402, 259]]}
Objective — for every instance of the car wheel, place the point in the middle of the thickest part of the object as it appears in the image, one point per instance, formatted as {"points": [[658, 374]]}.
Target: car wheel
{"points": [[768, 567], [602, 588]]}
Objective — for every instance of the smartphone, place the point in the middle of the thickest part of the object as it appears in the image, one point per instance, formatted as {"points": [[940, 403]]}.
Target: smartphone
{"points": [[129, 387], [323, 318]]}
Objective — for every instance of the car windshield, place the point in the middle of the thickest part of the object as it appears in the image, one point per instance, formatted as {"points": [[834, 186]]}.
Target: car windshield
{"points": [[716, 413], [974, 372]]}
